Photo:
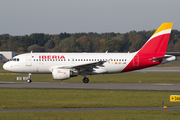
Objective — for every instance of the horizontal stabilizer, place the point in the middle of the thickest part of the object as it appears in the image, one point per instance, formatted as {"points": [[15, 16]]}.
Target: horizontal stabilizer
{"points": [[166, 58]]}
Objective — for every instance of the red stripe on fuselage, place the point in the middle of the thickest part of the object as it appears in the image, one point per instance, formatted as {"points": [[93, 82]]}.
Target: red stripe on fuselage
{"points": [[143, 62]]}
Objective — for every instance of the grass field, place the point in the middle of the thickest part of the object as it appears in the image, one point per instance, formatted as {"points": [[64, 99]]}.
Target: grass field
{"points": [[40, 98], [47, 98], [93, 115]]}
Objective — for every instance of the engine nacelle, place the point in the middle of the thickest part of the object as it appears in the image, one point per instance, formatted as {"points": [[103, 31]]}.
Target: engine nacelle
{"points": [[62, 74]]}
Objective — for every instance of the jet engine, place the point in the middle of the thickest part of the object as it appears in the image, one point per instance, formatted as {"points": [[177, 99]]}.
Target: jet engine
{"points": [[62, 74]]}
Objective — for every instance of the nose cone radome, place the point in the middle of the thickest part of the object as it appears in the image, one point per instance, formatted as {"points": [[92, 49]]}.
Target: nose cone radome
{"points": [[5, 66]]}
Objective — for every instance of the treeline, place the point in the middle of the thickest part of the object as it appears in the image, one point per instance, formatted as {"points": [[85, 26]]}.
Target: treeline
{"points": [[83, 42]]}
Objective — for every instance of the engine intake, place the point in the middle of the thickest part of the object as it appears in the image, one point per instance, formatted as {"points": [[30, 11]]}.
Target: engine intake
{"points": [[62, 74]]}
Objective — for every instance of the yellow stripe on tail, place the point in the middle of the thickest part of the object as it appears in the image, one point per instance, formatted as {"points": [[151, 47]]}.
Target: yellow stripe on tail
{"points": [[164, 26]]}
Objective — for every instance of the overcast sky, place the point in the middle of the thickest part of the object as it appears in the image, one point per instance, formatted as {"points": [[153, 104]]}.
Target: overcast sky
{"points": [[20, 17]]}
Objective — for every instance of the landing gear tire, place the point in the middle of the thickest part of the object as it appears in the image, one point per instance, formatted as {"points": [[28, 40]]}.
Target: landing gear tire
{"points": [[28, 80], [85, 80]]}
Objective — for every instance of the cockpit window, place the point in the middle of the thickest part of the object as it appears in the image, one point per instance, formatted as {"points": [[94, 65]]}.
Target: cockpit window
{"points": [[15, 59]]}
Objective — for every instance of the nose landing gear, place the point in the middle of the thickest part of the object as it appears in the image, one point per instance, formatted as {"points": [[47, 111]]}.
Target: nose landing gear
{"points": [[29, 78]]}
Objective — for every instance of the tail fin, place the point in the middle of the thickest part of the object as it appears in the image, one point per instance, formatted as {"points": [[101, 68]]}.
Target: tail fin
{"points": [[158, 42]]}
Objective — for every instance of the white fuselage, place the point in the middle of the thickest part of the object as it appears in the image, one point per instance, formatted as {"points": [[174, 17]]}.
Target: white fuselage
{"points": [[45, 62]]}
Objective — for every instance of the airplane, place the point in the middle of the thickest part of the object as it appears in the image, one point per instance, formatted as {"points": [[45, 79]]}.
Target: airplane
{"points": [[65, 65]]}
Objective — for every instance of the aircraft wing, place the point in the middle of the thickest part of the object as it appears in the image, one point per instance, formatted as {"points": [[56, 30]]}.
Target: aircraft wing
{"points": [[81, 67], [89, 66]]}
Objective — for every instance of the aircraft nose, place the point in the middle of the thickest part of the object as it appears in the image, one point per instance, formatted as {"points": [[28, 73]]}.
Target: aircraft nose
{"points": [[5, 66]]}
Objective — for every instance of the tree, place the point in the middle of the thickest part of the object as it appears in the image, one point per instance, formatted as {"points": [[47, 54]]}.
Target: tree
{"points": [[50, 44], [64, 35], [35, 48], [112, 45], [67, 44], [20, 50], [84, 44], [137, 42]]}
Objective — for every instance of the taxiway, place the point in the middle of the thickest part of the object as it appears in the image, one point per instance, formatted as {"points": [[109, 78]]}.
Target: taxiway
{"points": [[94, 86]]}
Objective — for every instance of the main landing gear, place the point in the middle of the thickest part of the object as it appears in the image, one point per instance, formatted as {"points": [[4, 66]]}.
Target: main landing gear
{"points": [[29, 78], [85, 80]]}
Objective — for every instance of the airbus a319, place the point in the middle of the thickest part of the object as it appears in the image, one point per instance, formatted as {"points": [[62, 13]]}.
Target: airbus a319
{"points": [[65, 65]]}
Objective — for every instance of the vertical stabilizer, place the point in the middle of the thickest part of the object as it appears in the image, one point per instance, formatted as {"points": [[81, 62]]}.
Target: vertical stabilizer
{"points": [[153, 51], [158, 42]]}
